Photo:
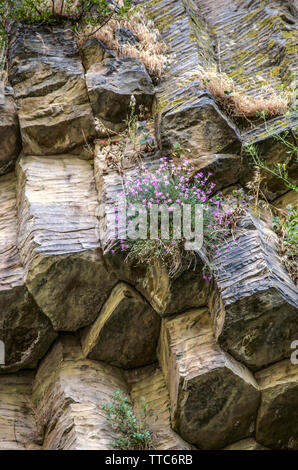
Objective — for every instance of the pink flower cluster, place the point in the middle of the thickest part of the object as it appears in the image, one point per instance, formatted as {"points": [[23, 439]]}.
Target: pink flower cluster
{"points": [[170, 183]]}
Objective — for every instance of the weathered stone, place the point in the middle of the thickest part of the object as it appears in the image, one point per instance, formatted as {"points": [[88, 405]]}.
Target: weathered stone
{"points": [[214, 399], [48, 78], [93, 51], [18, 430], [184, 113], [126, 331], [10, 137], [149, 382], [125, 36], [69, 392], [246, 444], [254, 44], [197, 124], [254, 305], [111, 84], [24, 330], [255, 40], [166, 294], [58, 240], [277, 421], [225, 169], [289, 198]]}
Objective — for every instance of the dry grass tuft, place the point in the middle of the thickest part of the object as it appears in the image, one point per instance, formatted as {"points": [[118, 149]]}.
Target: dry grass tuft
{"points": [[150, 49], [236, 102]]}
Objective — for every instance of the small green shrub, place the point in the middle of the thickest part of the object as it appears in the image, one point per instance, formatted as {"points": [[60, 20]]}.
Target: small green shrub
{"points": [[280, 170], [134, 432], [286, 227]]}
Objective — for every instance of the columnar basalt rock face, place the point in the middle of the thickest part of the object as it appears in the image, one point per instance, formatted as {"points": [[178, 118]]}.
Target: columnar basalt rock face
{"points": [[183, 112], [149, 382], [260, 36], [57, 275], [24, 330], [126, 331], [111, 83], [18, 430], [69, 392], [9, 131], [224, 35], [167, 295], [255, 303], [58, 240], [277, 422], [214, 399], [48, 79], [255, 46]]}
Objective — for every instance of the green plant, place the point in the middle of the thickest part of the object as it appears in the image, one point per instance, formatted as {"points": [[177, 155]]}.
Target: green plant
{"points": [[280, 170], [177, 149], [286, 227], [138, 130], [134, 432], [145, 138], [188, 215]]}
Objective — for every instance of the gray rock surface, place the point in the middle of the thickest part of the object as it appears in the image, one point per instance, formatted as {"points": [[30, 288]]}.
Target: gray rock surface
{"points": [[277, 421], [126, 331], [48, 79], [58, 242], [9, 132], [24, 329], [254, 306], [18, 429], [111, 83], [214, 399]]}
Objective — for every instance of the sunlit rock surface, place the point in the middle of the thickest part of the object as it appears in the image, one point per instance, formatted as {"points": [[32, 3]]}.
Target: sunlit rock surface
{"points": [[48, 78], [149, 382], [24, 329], [58, 242], [183, 112], [246, 444], [93, 51], [56, 273], [214, 399], [288, 198], [277, 421], [9, 131], [111, 84], [69, 392], [126, 331], [18, 428]]}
